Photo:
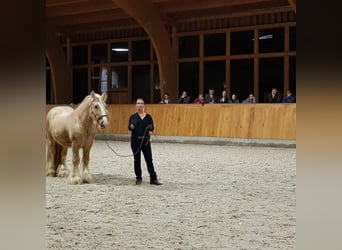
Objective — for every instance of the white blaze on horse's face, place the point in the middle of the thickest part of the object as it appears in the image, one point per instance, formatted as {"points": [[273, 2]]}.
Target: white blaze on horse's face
{"points": [[99, 109]]}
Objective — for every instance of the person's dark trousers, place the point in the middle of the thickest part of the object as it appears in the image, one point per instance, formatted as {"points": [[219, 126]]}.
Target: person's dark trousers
{"points": [[146, 149]]}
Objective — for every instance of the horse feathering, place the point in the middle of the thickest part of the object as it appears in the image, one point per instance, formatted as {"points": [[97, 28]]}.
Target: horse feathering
{"points": [[74, 128]]}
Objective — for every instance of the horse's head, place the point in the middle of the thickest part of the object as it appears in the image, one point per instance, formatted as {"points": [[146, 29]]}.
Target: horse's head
{"points": [[98, 108]]}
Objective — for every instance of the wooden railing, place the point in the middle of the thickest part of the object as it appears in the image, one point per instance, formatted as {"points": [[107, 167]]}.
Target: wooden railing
{"points": [[250, 121]]}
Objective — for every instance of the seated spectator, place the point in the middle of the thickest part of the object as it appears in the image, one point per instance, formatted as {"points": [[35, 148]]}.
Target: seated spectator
{"points": [[223, 98], [274, 97], [234, 99], [210, 97], [250, 99], [199, 99], [289, 98], [184, 98], [166, 99]]}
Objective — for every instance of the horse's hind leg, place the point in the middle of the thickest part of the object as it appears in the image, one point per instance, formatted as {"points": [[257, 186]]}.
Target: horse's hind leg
{"points": [[87, 177], [51, 165], [63, 170], [74, 176]]}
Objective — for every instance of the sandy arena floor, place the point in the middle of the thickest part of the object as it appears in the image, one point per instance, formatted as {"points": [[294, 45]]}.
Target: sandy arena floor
{"points": [[212, 197]]}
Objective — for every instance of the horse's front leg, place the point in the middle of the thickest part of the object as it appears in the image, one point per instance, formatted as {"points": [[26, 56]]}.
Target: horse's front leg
{"points": [[74, 176], [87, 177], [63, 170]]}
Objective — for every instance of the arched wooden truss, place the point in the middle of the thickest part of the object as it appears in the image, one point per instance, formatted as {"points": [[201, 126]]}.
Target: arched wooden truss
{"points": [[156, 17]]}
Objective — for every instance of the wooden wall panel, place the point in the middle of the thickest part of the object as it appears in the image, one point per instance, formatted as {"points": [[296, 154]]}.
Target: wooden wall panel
{"points": [[251, 121], [116, 97]]}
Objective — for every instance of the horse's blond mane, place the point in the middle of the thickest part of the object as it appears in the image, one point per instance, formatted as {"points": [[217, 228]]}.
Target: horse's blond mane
{"points": [[86, 102], [83, 110]]}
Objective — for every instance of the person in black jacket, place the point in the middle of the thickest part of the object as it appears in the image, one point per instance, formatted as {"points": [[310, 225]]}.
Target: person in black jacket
{"points": [[184, 98], [223, 98], [140, 123], [274, 96], [210, 97]]}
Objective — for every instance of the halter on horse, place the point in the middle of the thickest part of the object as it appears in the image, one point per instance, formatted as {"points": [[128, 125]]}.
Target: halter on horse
{"points": [[76, 128]]}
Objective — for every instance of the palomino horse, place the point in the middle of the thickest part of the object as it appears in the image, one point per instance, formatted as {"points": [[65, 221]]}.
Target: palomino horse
{"points": [[76, 128]]}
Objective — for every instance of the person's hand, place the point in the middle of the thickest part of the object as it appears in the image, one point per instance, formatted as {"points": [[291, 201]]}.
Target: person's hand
{"points": [[149, 127], [132, 126]]}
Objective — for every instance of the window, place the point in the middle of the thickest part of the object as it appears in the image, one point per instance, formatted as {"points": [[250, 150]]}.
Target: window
{"points": [[242, 42], [189, 79], [95, 79], [271, 40], [271, 75], [104, 79], [214, 76], [141, 82], [48, 87], [292, 38], [98, 53], [119, 52], [80, 84], [156, 80], [292, 84], [156, 84], [80, 55], [215, 44], [242, 78], [119, 77], [188, 46], [65, 52], [141, 50]]}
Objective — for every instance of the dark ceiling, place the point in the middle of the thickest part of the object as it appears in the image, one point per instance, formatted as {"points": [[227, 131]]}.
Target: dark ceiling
{"points": [[74, 16]]}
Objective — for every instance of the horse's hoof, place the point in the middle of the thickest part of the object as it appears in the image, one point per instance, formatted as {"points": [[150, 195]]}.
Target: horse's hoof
{"points": [[88, 178], [76, 180], [63, 173], [51, 173], [89, 181]]}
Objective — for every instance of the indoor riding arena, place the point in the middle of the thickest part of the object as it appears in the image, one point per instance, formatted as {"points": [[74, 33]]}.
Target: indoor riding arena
{"points": [[227, 166], [212, 197], [216, 193]]}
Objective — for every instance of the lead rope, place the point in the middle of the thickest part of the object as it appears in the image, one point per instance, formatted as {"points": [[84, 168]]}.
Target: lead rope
{"points": [[120, 155]]}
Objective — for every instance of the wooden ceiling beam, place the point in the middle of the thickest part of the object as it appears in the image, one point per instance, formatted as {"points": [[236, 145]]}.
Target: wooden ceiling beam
{"points": [[193, 5], [96, 27], [60, 71], [79, 8], [293, 4], [89, 18], [50, 3], [148, 16], [77, 14], [227, 13]]}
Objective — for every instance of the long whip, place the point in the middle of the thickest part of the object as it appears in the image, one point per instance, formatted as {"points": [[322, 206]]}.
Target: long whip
{"points": [[120, 155]]}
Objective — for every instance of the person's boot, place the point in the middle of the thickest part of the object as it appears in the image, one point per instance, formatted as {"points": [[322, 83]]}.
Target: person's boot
{"points": [[138, 182], [155, 182]]}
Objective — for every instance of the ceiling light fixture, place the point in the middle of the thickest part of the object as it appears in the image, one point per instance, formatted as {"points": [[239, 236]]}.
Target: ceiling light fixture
{"points": [[265, 37], [120, 49]]}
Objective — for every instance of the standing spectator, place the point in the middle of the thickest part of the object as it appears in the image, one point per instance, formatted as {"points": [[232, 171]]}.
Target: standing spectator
{"points": [[224, 98], [289, 98], [184, 98], [140, 123], [166, 99], [234, 99], [210, 97], [199, 99], [250, 99], [274, 97]]}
